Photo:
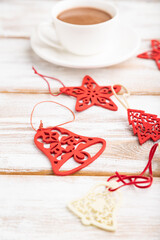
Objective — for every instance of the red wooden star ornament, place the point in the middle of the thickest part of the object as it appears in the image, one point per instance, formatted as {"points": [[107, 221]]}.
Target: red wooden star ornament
{"points": [[153, 54], [61, 145], [88, 94], [145, 125]]}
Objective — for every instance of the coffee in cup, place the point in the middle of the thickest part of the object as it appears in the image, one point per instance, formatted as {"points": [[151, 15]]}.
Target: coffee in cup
{"points": [[84, 16]]}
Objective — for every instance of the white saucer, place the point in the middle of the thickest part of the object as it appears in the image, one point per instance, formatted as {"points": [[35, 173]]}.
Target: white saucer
{"points": [[123, 47]]}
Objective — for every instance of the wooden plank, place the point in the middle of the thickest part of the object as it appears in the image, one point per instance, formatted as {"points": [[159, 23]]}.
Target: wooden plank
{"points": [[140, 76], [35, 208], [143, 15], [123, 152]]}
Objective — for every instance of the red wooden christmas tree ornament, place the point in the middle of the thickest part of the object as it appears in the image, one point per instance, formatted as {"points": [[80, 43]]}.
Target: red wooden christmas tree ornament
{"points": [[145, 125], [153, 54], [64, 145], [90, 93]]}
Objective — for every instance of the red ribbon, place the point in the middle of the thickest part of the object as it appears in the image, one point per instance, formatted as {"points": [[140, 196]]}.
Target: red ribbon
{"points": [[139, 181]]}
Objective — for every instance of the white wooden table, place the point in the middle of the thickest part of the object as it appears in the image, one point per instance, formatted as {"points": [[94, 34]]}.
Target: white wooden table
{"points": [[33, 200]]}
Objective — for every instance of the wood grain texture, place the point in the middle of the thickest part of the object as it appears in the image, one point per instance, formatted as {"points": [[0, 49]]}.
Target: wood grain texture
{"points": [[144, 15], [140, 76], [35, 208], [123, 152]]}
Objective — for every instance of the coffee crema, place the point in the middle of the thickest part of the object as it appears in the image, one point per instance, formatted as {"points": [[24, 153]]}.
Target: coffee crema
{"points": [[84, 16]]}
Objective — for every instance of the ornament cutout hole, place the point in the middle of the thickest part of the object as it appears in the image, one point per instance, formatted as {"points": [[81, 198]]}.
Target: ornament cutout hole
{"points": [[40, 140], [69, 164], [92, 150], [46, 145]]}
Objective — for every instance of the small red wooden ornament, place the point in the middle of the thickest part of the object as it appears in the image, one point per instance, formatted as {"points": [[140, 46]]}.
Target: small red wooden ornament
{"points": [[64, 145], [88, 94], [145, 125], [61, 145], [153, 54]]}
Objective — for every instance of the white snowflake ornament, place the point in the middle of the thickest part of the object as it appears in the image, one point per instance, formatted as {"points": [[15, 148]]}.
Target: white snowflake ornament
{"points": [[98, 207]]}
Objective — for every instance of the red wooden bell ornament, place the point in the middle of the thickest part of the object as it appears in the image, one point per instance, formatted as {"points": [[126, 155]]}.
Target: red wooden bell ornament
{"points": [[64, 145]]}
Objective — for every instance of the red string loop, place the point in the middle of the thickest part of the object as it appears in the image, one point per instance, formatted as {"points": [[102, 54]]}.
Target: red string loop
{"points": [[41, 124], [53, 78], [139, 181]]}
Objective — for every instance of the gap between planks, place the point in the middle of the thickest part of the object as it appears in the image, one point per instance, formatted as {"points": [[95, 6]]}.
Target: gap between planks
{"points": [[84, 173], [28, 91]]}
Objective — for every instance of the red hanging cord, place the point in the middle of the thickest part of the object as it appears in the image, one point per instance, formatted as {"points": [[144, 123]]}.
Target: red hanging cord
{"points": [[136, 180], [41, 124], [44, 78]]}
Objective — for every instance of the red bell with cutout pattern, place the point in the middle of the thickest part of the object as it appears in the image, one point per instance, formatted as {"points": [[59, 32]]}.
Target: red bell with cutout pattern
{"points": [[64, 145]]}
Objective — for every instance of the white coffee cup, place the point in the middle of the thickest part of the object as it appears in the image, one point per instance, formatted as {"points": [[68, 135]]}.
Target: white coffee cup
{"points": [[80, 39]]}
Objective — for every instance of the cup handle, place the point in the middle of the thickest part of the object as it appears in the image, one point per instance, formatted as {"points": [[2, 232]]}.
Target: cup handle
{"points": [[46, 39]]}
